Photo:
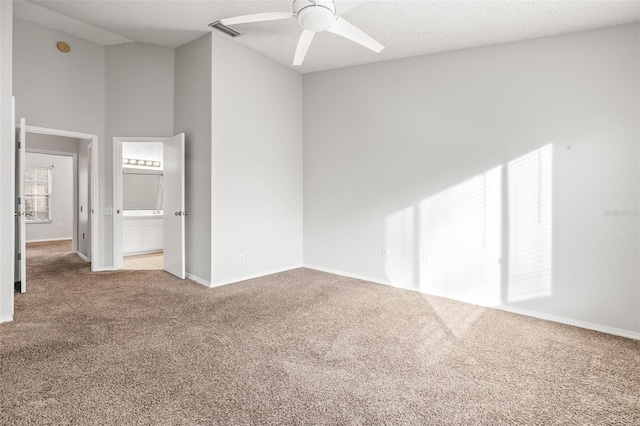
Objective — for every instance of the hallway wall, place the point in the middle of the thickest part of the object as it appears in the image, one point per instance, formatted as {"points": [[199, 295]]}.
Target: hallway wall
{"points": [[62, 198]]}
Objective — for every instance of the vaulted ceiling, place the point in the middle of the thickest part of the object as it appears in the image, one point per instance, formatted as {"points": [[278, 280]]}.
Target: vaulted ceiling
{"points": [[405, 28]]}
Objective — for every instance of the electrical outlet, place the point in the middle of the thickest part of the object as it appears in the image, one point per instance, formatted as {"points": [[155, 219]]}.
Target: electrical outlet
{"points": [[385, 252], [242, 258], [424, 257], [108, 211], [59, 225]]}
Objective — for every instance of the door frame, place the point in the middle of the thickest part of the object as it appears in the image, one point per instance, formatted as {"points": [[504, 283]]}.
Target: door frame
{"points": [[95, 218], [118, 254]]}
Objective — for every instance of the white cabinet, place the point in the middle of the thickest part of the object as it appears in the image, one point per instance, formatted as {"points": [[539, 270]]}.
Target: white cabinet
{"points": [[142, 234]]}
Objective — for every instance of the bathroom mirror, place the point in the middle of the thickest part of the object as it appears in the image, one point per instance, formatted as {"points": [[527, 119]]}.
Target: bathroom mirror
{"points": [[141, 189]]}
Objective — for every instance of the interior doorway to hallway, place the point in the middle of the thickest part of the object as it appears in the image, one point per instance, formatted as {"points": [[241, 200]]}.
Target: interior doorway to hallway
{"points": [[33, 194]]}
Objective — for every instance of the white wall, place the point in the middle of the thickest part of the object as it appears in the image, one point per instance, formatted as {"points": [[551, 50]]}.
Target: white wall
{"points": [[399, 155], [63, 91], [6, 161], [257, 164], [193, 118], [62, 203]]}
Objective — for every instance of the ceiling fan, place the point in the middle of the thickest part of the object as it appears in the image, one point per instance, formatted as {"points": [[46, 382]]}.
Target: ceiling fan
{"points": [[314, 16]]}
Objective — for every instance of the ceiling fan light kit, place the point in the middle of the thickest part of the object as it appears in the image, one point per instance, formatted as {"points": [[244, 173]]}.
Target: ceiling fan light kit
{"points": [[314, 16]]}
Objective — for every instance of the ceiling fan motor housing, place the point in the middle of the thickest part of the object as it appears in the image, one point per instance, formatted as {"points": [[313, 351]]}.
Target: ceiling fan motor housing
{"points": [[316, 16]]}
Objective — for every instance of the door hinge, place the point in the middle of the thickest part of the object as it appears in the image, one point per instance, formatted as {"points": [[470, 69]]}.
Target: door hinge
{"points": [[19, 200], [19, 256], [19, 144], [83, 235]]}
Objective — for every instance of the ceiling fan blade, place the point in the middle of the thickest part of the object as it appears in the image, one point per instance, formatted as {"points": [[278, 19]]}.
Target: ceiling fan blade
{"points": [[347, 7], [303, 45], [347, 30], [258, 17]]}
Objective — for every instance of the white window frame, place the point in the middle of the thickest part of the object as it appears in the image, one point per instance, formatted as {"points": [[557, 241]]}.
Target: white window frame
{"points": [[31, 219]]}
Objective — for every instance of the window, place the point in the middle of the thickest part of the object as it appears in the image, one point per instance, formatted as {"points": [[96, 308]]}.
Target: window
{"points": [[37, 194]]}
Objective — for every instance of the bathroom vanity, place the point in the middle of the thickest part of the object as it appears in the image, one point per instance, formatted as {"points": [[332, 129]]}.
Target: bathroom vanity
{"points": [[143, 232]]}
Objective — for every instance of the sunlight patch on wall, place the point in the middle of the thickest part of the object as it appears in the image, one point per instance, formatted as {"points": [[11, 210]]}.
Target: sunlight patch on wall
{"points": [[461, 240], [530, 225], [399, 251]]}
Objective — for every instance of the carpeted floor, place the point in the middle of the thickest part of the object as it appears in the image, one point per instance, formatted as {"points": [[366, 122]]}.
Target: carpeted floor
{"points": [[299, 347]]}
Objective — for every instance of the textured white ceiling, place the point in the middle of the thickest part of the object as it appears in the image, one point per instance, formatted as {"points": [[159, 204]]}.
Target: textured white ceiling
{"points": [[32, 13], [406, 28]]}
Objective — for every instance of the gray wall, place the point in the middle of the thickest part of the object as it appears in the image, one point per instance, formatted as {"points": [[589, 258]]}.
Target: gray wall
{"points": [[124, 90], [62, 195], [54, 89], [256, 164], [193, 117], [63, 91], [36, 141], [390, 146], [138, 102], [7, 263]]}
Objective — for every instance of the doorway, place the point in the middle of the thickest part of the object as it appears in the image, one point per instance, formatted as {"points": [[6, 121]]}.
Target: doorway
{"points": [[148, 200], [89, 178], [142, 205]]}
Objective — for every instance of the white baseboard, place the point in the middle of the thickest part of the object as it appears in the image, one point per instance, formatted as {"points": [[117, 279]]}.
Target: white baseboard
{"points": [[540, 315], [250, 277], [105, 269], [6, 319], [570, 321], [49, 239], [348, 274], [198, 280], [82, 256]]}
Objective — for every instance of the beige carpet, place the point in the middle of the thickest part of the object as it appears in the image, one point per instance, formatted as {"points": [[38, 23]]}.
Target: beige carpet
{"points": [[300, 347]]}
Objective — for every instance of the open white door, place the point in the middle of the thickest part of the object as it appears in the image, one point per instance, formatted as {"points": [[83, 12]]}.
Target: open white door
{"points": [[20, 214], [89, 208], [173, 205]]}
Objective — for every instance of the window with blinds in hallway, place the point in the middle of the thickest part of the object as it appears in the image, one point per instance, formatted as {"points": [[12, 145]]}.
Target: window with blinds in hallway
{"points": [[37, 194]]}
